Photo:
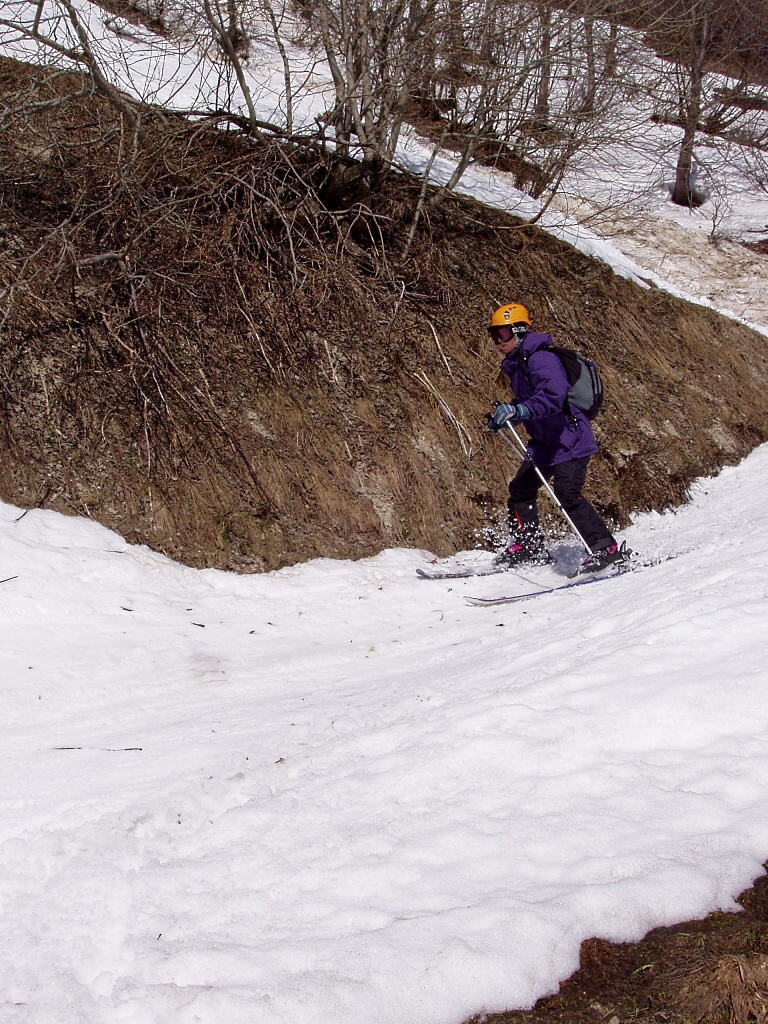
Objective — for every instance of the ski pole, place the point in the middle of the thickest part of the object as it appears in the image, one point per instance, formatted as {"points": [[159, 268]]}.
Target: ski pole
{"points": [[552, 494]]}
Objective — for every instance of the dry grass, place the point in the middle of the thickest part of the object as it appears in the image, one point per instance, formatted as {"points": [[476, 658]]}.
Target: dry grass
{"points": [[732, 989]]}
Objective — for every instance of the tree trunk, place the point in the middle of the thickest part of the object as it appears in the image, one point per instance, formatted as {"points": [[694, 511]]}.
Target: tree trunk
{"points": [[699, 44], [588, 103], [541, 112], [609, 67]]}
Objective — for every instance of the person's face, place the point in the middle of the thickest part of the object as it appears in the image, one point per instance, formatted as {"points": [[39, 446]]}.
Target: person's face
{"points": [[505, 338]]}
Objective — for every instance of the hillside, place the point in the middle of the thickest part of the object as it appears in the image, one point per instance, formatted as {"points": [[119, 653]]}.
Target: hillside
{"points": [[204, 350]]}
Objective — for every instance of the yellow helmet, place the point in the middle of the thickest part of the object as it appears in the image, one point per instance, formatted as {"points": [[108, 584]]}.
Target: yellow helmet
{"points": [[506, 316]]}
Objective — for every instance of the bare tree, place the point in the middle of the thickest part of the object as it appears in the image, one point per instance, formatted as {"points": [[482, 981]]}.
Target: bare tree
{"points": [[376, 51], [540, 85], [57, 33], [690, 47], [709, 84]]}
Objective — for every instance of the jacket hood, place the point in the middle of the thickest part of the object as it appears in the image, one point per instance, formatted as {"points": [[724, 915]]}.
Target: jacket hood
{"points": [[531, 343]]}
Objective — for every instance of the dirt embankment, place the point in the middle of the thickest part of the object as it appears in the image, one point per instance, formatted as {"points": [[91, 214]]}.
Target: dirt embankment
{"points": [[206, 348]]}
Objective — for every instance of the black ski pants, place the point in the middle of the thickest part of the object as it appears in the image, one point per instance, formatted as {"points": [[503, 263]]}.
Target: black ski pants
{"points": [[567, 483]]}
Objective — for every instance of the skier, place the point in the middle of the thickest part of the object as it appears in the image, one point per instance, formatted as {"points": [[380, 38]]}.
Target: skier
{"points": [[561, 444]]}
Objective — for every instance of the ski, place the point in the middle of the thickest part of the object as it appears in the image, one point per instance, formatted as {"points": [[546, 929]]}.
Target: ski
{"points": [[487, 602], [461, 574], [493, 570]]}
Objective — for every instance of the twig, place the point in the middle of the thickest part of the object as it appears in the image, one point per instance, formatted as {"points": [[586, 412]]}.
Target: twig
{"points": [[440, 350], [109, 750], [330, 362], [252, 325], [465, 438]]}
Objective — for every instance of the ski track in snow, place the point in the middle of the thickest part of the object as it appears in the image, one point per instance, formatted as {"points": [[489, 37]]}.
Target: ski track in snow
{"points": [[357, 798]]}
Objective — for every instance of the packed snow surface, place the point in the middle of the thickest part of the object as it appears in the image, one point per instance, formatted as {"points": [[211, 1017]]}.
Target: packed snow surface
{"points": [[337, 793]]}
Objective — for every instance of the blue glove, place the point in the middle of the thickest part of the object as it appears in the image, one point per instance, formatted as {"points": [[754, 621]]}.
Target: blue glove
{"points": [[504, 415]]}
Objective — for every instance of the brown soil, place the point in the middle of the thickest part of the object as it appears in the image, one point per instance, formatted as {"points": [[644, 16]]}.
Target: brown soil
{"points": [[198, 352], [713, 971]]}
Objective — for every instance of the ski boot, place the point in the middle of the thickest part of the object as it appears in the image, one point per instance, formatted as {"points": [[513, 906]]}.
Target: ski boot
{"points": [[517, 554], [603, 558]]}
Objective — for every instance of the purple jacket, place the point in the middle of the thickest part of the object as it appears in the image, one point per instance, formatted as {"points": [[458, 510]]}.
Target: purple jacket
{"points": [[558, 432]]}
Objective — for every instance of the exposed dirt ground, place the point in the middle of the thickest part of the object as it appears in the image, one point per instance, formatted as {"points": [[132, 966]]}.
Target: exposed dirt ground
{"points": [[210, 347], [713, 971]]}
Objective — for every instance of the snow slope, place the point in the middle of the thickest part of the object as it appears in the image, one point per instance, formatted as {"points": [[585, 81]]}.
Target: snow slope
{"points": [[337, 793], [620, 195]]}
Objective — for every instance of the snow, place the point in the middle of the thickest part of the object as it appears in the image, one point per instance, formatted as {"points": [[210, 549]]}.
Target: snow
{"points": [[620, 194], [635, 229], [337, 792]]}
